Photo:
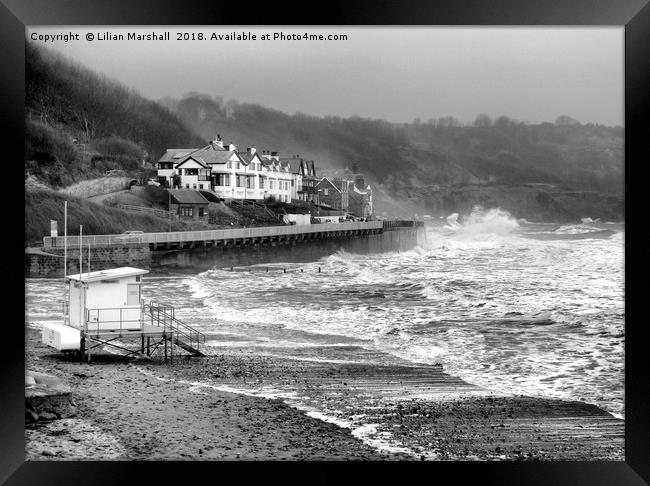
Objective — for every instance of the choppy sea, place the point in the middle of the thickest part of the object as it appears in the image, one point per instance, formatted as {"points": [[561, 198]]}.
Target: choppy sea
{"points": [[512, 306]]}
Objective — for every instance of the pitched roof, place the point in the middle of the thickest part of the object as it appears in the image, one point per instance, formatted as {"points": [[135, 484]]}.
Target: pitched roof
{"points": [[187, 196], [295, 165], [322, 182], [247, 158], [195, 159], [174, 155], [210, 155]]}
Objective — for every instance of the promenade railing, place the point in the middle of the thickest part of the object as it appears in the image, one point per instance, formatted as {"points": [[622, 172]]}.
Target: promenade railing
{"points": [[208, 235]]}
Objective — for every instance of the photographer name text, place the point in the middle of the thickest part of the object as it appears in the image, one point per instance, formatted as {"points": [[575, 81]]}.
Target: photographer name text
{"points": [[107, 36]]}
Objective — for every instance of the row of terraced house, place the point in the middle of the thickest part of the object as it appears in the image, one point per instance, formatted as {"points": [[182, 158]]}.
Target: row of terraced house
{"points": [[251, 175], [233, 174]]}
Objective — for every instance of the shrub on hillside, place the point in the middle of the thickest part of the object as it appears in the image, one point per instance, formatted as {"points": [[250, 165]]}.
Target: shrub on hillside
{"points": [[281, 208], [115, 145], [114, 162], [48, 153], [156, 195]]}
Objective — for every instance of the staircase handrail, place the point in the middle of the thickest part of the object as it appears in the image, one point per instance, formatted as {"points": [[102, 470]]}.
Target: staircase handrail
{"points": [[177, 326]]}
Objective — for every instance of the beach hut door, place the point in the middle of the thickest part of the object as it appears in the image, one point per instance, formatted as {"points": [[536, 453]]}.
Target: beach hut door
{"points": [[133, 294]]}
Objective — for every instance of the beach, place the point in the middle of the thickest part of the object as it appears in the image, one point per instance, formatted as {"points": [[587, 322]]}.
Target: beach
{"points": [[143, 409]]}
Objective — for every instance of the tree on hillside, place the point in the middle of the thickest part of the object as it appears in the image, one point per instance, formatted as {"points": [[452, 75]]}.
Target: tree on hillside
{"points": [[503, 122], [447, 122], [483, 120], [564, 120]]}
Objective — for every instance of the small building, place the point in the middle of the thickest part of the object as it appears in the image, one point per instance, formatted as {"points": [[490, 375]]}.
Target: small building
{"points": [[329, 194], [188, 204], [107, 305], [106, 299]]}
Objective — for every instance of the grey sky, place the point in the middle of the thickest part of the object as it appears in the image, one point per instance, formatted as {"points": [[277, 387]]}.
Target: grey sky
{"points": [[397, 74]]}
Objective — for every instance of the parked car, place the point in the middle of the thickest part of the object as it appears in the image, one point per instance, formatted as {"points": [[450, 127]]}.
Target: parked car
{"points": [[130, 236]]}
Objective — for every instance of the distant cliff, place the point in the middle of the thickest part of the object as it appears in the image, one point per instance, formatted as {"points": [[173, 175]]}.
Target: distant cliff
{"points": [[534, 203]]}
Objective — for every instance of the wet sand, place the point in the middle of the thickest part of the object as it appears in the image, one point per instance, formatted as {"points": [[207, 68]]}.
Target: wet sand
{"points": [[139, 409]]}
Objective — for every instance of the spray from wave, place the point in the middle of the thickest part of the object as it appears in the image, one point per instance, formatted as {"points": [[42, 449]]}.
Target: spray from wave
{"points": [[481, 222], [480, 227]]}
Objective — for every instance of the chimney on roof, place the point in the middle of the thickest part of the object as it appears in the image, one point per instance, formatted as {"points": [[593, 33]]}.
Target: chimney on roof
{"points": [[217, 142], [248, 150], [253, 150], [274, 155], [232, 146]]}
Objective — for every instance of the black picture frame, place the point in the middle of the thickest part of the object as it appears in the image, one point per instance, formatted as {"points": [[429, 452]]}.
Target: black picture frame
{"points": [[633, 14]]}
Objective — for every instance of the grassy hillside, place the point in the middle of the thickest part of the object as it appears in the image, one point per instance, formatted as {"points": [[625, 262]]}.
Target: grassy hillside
{"points": [[80, 124], [41, 206]]}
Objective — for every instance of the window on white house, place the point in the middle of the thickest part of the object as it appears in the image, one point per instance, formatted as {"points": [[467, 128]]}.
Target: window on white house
{"points": [[326, 192], [222, 179]]}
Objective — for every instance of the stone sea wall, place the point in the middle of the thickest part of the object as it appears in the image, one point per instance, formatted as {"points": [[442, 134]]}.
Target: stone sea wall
{"points": [[49, 262]]}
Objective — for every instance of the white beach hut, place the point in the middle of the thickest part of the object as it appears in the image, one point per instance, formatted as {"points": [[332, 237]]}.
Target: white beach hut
{"points": [[106, 306], [110, 300]]}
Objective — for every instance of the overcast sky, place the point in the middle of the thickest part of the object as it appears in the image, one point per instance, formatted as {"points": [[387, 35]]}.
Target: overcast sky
{"points": [[397, 74]]}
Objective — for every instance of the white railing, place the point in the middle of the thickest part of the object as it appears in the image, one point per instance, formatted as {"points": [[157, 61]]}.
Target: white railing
{"points": [[185, 236]]}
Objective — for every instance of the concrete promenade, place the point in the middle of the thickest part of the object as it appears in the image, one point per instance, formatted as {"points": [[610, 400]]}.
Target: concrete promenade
{"points": [[219, 238]]}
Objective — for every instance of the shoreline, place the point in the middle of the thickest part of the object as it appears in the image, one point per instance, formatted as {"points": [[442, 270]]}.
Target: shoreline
{"points": [[139, 409]]}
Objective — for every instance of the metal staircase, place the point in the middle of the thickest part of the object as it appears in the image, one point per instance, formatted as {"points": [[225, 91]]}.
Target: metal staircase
{"points": [[175, 330]]}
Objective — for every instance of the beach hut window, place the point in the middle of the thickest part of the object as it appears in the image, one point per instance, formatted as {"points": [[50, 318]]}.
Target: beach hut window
{"points": [[133, 294]]}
